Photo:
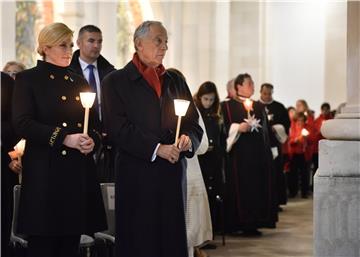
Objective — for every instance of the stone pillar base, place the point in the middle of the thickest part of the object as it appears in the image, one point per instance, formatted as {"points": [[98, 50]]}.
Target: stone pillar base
{"points": [[337, 200]]}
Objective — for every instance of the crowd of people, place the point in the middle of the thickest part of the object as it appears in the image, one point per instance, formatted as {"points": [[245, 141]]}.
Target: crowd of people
{"points": [[233, 166]]}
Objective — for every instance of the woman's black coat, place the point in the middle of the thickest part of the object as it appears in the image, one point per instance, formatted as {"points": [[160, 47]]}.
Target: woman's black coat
{"points": [[60, 194]]}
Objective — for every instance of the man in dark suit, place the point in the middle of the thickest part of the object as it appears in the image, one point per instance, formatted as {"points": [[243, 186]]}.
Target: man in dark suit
{"points": [[89, 63], [90, 43], [280, 124], [140, 118]]}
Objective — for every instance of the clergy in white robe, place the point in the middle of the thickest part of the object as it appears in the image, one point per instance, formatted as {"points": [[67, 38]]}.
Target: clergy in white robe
{"points": [[198, 219]]}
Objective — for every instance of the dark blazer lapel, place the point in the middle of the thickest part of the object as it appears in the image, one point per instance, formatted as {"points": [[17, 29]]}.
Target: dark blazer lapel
{"points": [[136, 76], [75, 64]]}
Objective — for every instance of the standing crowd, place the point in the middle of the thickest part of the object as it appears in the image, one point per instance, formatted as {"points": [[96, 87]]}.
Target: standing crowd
{"points": [[230, 171]]}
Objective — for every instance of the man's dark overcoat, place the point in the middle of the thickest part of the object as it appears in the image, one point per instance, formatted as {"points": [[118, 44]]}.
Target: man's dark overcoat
{"points": [[149, 207]]}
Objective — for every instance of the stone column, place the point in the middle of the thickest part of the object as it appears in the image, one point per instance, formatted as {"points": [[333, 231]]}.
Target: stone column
{"points": [[73, 15], [190, 30], [337, 181], [245, 39], [8, 29], [107, 12], [220, 52]]}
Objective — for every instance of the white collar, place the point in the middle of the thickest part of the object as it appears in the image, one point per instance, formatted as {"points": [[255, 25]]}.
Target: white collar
{"points": [[84, 64], [243, 98], [263, 102]]}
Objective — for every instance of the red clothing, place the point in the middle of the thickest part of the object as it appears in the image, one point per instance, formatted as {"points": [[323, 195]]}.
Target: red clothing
{"points": [[152, 75], [297, 142], [286, 154], [309, 125], [285, 147], [317, 133]]}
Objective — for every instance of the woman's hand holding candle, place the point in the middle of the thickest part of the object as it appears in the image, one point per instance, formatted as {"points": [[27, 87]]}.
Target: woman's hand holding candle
{"points": [[82, 142]]}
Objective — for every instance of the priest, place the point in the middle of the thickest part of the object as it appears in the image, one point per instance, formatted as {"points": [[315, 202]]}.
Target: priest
{"points": [[280, 123], [250, 200]]}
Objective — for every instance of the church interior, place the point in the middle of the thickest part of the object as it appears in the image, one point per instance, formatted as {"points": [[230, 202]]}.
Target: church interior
{"points": [[305, 49]]}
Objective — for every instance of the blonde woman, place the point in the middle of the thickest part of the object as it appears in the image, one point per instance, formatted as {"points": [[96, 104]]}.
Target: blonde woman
{"points": [[60, 196]]}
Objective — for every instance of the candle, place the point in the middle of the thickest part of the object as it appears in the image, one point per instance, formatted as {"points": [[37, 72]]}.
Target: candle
{"points": [[181, 107], [304, 132], [19, 149], [87, 100], [248, 106]]}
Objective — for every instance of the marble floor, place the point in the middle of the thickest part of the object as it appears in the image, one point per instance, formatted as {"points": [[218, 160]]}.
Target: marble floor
{"points": [[293, 236]]}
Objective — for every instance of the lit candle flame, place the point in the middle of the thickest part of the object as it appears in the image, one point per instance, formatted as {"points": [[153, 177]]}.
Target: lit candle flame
{"points": [[20, 147], [248, 104], [181, 107], [87, 100], [304, 132]]}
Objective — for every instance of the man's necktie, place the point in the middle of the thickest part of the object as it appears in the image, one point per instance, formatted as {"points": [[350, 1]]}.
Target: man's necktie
{"points": [[92, 83]]}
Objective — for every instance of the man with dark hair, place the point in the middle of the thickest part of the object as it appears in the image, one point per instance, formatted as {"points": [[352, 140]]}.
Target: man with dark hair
{"points": [[266, 85], [89, 63], [242, 78], [324, 115], [250, 199], [280, 123]]}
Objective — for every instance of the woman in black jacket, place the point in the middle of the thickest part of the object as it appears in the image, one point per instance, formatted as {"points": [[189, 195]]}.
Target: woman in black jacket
{"points": [[60, 196], [211, 163]]}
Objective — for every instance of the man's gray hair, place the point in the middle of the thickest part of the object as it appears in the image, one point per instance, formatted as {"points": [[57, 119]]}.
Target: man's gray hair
{"points": [[143, 29]]}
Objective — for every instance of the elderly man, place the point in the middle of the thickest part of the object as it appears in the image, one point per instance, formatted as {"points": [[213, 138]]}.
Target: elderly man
{"points": [[140, 118]]}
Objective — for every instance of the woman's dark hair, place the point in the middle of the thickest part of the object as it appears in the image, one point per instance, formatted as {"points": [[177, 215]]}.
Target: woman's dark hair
{"points": [[208, 87], [325, 106], [300, 115], [291, 108]]}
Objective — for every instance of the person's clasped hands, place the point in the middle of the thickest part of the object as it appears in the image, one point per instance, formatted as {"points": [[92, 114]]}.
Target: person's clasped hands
{"points": [[82, 142], [172, 152]]}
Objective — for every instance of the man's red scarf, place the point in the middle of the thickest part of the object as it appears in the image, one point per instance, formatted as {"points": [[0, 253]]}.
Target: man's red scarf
{"points": [[154, 76]]}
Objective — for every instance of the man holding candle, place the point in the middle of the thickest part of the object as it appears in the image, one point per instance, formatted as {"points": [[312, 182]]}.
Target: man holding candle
{"points": [[140, 118], [250, 202]]}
